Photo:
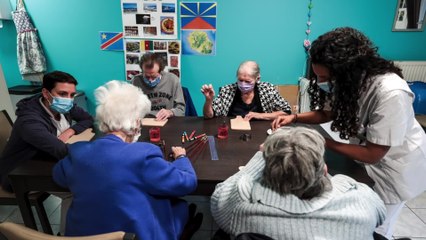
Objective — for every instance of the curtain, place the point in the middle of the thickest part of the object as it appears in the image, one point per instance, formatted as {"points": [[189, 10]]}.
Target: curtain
{"points": [[31, 60]]}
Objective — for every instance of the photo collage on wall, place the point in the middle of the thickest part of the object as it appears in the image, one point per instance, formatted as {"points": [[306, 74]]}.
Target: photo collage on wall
{"points": [[169, 50], [150, 19]]}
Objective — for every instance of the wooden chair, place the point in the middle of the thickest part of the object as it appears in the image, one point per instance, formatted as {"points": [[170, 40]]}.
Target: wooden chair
{"points": [[12, 231], [6, 198]]}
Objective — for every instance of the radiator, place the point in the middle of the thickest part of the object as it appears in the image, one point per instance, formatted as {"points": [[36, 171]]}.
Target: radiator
{"points": [[413, 70]]}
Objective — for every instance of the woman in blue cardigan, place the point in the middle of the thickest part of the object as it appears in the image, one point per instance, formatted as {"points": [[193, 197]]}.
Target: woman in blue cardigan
{"points": [[120, 184]]}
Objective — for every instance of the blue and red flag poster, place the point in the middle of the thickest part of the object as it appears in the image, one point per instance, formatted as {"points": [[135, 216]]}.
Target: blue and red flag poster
{"points": [[198, 28], [198, 15], [111, 41]]}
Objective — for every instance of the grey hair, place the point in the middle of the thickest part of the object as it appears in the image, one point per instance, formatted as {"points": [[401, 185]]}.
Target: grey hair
{"points": [[249, 67], [294, 162], [119, 106]]}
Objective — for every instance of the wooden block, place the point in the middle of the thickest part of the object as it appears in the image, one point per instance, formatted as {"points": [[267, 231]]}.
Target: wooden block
{"points": [[239, 123], [154, 123], [86, 135]]}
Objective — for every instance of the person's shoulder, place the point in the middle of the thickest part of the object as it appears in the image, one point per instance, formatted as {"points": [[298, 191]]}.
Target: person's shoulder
{"points": [[230, 86], [137, 80], [30, 108], [344, 184], [170, 76], [265, 86], [389, 82]]}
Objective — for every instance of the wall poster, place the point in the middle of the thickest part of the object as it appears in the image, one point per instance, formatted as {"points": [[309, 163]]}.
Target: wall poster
{"points": [[169, 50], [198, 28], [149, 19]]}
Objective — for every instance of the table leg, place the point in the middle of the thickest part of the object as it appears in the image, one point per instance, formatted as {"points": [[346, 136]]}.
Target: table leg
{"points": [[25, 208]]}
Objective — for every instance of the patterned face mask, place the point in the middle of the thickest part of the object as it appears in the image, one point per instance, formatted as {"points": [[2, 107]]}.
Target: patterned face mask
{"points": [[245, 87]]}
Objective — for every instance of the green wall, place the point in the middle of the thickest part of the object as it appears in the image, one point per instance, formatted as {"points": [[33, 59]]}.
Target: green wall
{"points": [[270, 32]]}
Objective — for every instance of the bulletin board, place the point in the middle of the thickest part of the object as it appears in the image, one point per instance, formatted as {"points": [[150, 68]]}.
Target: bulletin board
{"points": [[169, 50], [149, 19]]}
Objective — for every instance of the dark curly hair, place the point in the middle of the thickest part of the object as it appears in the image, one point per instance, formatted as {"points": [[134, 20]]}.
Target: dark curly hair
{"points": [[352, 60]]}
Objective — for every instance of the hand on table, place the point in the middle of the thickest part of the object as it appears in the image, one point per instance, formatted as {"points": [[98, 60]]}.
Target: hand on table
{"points": [[177, 151], [163, 114], [67, 134], [251, 115]]}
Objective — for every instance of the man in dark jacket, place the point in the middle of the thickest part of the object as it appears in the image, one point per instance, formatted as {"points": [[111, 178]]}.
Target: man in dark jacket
{"points": [[44, 123]]}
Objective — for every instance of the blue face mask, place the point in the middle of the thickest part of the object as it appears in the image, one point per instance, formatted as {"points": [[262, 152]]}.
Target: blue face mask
{"points": [[325, 86], [153, 83], [61, 105]]}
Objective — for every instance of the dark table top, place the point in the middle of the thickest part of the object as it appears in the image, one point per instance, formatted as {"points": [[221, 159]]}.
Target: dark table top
{"points": [[232, 152]]}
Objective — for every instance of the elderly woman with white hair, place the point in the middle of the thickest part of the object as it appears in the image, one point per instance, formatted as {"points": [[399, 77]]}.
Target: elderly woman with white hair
{"points": [[248, 97], [285, 192], [122, 185]]}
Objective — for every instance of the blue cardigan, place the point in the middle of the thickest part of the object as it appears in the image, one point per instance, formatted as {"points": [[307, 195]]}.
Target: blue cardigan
{"points": [[119, 186]]}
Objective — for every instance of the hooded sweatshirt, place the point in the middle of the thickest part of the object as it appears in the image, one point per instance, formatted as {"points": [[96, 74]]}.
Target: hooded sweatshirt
{"points": [[34, 136]]}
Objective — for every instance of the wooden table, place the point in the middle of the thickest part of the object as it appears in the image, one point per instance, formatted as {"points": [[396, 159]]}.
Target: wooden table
{"points": [[233, 152]]}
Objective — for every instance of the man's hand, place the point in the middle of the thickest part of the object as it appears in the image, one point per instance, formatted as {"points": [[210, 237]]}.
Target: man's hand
{"points": [[164, 114], [208, 91], [67, 134]]}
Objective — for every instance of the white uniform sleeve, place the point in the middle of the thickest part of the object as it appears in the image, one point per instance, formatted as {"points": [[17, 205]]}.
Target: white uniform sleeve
{"points": [[389, 119]]}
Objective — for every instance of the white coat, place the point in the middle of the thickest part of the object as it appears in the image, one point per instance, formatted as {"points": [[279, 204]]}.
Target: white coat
{"points": [[387, 118]]}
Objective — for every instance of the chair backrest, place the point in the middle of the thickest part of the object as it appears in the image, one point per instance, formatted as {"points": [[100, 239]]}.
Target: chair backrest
{"points": [[12, 231], [189, 104], [5, 129]]}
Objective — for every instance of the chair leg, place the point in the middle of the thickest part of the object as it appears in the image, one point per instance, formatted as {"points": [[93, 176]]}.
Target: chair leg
{"points": [[44, 220]]}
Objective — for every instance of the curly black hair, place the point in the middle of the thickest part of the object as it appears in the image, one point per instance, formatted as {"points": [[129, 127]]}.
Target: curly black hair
{"points": [[352, 60]]}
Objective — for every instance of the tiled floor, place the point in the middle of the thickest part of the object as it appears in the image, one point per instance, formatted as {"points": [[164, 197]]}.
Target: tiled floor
{"points": [[411, 223]]}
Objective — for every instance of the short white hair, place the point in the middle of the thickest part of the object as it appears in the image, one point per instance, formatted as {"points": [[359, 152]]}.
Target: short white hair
{"points": [[119, 106], [249, 67]]}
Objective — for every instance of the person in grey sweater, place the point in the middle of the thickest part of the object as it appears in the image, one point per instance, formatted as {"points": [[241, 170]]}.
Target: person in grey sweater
{"points": [[162, 88], [284, 192]]}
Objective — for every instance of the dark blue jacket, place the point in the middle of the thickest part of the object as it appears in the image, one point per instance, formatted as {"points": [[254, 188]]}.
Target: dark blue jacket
{"points": [[34, 135]]}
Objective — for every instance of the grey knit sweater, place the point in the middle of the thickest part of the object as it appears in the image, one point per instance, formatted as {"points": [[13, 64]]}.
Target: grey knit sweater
{"points": [[167, 94], [351, 210]]}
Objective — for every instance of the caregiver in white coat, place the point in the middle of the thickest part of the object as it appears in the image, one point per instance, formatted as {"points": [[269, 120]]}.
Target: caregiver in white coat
{"points": [[370, 104]]}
